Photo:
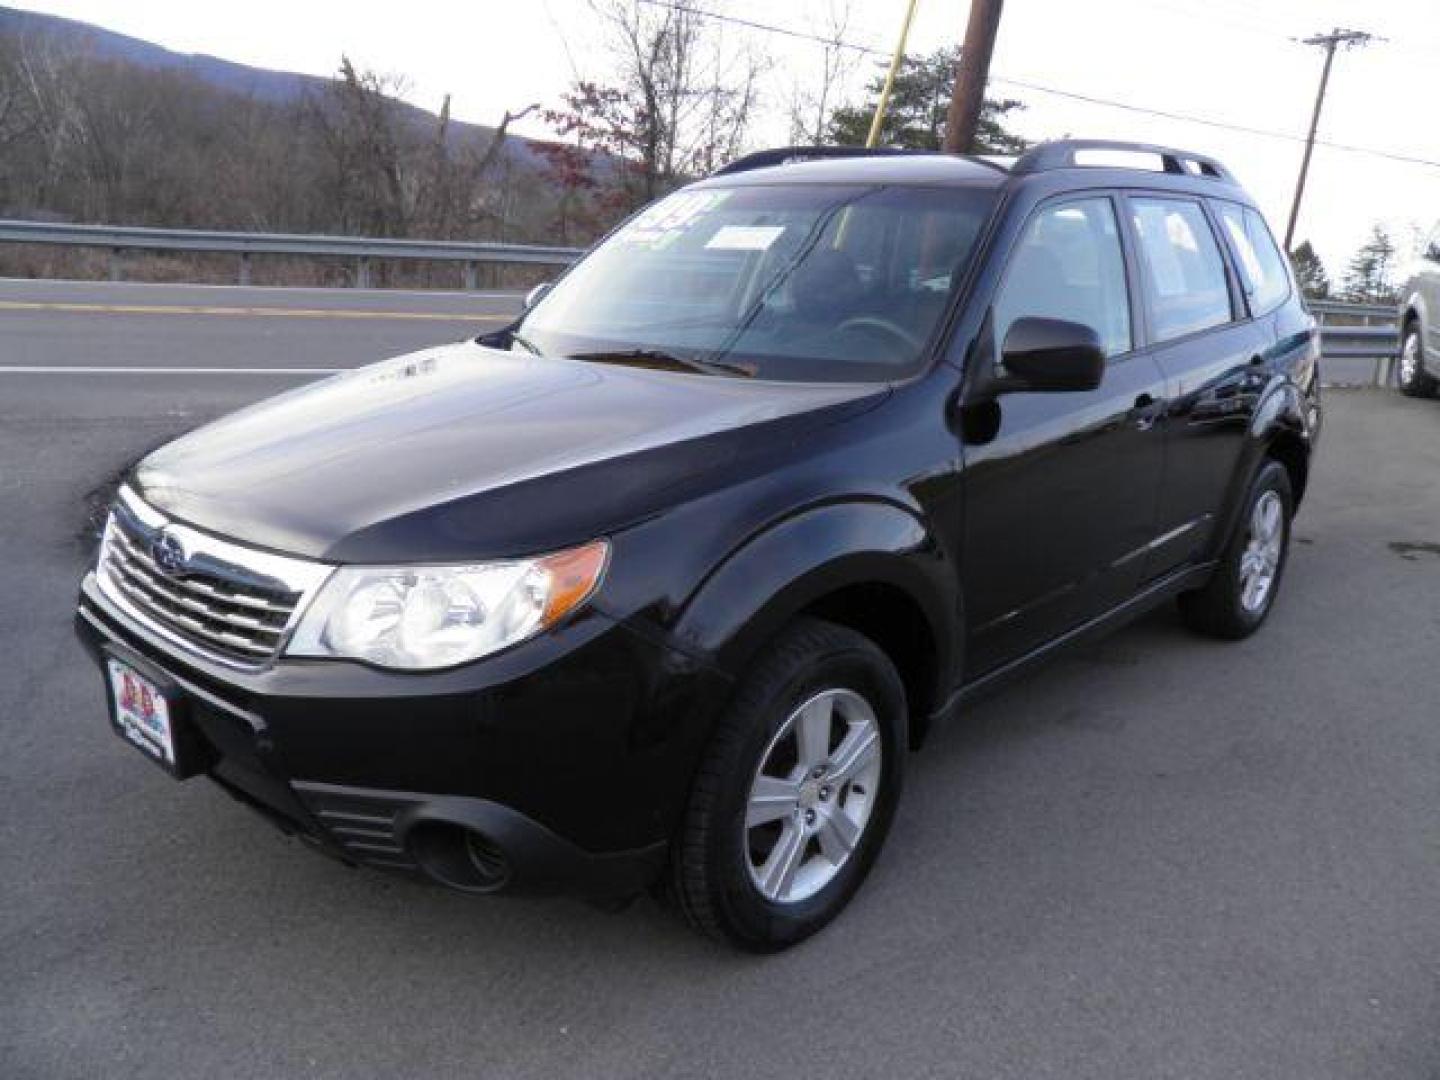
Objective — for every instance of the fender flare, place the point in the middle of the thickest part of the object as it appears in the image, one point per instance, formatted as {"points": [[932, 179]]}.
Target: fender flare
{"points": [[1414, 304], [792, 564], [1281, 416], [1281, 407]]}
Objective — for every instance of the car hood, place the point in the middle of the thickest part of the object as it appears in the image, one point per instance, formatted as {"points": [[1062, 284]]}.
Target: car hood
{"points": [[464, 452]]}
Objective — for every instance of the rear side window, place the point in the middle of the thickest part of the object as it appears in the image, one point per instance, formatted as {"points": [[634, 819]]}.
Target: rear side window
{"points": [[1262, 269], [1068, 265], [1184, 271]]}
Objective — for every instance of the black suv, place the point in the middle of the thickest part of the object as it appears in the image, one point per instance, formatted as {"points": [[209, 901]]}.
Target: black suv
{"points": [[657, 586]]}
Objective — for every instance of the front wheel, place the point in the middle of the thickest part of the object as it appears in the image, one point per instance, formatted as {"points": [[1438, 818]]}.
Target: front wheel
{"points": [[1242, 590], [796, 791], [1410, 374]]}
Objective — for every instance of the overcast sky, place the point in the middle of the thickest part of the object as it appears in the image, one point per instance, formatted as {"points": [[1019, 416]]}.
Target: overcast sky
{"points": [[1230, 61]]}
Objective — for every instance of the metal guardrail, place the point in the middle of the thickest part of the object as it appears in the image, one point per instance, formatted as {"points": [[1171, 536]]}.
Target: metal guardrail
{"points": [[1347, 331], [1359, 332], [120, 239]]}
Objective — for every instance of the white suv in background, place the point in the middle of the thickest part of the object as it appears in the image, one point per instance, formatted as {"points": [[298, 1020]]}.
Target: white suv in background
{"points": [[1418, 370]]}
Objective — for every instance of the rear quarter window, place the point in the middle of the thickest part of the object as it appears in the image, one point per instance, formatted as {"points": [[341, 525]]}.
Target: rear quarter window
{"points": [[1262, 267]]}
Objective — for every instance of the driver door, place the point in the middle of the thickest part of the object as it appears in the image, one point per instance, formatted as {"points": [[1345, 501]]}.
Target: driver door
{"points": [[1060, 499]]}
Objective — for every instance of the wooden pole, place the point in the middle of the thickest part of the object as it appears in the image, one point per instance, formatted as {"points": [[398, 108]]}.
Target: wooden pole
{"points": [[1329, 42], [973, 70]]}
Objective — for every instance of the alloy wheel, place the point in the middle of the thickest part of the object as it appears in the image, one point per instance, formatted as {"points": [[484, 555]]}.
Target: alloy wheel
{"points": [[812, 796], [1260, 561], [1409, 360]]}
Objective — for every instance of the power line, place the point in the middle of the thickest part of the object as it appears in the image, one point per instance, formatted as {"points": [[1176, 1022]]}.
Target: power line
{"points": [[1268, 133], [785, 31], [1091, 99], [1214, 11]]}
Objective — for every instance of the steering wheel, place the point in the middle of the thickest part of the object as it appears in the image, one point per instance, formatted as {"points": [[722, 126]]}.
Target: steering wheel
{"points": [[885, 326]]}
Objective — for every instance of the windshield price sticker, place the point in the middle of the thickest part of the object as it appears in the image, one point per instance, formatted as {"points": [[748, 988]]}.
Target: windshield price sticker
{"points": [[664, 223], [745, 237]]}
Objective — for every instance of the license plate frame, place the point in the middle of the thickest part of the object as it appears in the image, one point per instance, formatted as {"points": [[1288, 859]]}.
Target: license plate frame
{"points": [[148, 713]]}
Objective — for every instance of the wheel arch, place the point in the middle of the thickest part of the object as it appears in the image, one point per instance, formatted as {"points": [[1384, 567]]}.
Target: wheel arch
{"points": [[1291, 450], [891, 617], [1414, 312], [872, 566], [1283, 428], [1281, 431]]}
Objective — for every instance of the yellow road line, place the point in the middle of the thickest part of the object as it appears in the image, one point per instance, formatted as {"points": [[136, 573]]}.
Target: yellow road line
{"points": [[299, 313]]}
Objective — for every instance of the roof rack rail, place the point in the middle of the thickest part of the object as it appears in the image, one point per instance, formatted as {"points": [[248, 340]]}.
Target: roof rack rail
{"points": [[786, 155], [1061, 154]]}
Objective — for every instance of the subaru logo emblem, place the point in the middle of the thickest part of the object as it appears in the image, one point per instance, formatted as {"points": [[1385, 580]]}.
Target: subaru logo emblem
{"points": [[167, 553]]}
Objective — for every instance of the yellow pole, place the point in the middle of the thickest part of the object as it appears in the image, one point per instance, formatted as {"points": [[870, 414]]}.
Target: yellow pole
{"points": [[879, 119]]}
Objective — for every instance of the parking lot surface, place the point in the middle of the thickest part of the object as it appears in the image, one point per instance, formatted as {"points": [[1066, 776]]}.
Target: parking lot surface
{"points": [[1161, 857]]}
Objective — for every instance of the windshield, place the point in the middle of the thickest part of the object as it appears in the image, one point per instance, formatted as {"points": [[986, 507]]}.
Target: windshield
{"points": [[819, 282]]}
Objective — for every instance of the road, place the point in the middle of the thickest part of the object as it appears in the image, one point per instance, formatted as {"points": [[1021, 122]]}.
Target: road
{"points": [[102, 324], [1161, 857]]}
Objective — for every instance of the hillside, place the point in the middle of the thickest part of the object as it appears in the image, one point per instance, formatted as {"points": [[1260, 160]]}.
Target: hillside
{"points": [[97, 126], [275, 86], [242, 80]]}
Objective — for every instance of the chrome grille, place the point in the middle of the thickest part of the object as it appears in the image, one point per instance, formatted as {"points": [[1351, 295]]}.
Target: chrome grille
{"points": [[225, 601]]}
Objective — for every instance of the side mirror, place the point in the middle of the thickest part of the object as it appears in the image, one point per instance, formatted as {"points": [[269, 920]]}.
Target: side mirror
{"points": [[1050, 355], [535, 295]]}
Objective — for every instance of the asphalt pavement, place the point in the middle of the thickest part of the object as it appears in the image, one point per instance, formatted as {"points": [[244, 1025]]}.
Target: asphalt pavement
{"points": [[84, 325], [1161, 857]]}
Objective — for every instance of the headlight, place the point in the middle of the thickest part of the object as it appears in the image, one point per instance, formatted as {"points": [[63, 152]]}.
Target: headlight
{"points": [[418, 617]]}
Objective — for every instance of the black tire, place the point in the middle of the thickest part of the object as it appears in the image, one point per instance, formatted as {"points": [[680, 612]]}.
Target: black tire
{"points": [[1218, 609], [711, 878], [1418, 383]]}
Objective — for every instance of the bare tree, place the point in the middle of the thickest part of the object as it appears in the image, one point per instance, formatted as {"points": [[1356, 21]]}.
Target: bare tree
{"points": [[497, 141], [42, 74], [677, 100], [85, 137], [486, 182], [17, 104], [356, 121], [813, 97], [17, 117], [725, 107]]}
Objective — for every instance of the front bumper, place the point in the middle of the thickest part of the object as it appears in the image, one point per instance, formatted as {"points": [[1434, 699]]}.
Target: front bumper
{"points": [[559, 766]]}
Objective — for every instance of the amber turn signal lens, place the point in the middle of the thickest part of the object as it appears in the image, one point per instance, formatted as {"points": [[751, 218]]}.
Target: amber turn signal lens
{"points": [[574, 577]]}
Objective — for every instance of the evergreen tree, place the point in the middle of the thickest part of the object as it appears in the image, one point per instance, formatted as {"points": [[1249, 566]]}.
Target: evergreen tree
{"points": [[1310, 272], [1368, 278], [915, 117]]}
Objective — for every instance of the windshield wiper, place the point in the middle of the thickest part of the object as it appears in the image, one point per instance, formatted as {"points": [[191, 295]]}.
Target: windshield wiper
{"points": [[658, 358], [524, 343]]}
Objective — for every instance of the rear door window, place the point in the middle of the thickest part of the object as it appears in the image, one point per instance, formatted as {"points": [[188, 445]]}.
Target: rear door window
{"points": [[1184, 271], [1262, 267]]}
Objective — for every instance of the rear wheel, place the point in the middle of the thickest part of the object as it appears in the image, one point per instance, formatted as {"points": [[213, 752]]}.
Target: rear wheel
{"points": [[1410, 374], [1242, 590], [796, 791]]}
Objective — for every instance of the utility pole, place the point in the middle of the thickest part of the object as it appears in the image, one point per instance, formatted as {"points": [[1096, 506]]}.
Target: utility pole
{"points": [[1329, 42], [973, 69]]}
